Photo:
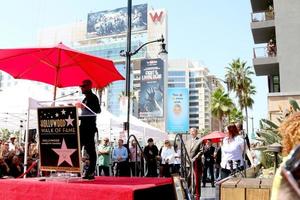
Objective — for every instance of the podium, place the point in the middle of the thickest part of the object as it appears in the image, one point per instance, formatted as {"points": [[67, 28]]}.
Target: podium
{"points": [[59, 143]]}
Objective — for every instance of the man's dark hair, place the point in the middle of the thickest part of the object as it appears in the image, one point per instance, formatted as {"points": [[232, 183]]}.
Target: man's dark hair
{"points": [[150, 140], [239, 126]]}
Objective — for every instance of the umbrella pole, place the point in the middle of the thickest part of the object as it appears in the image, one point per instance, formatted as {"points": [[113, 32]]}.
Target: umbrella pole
{"points": [[26, 140], [54, 95]]}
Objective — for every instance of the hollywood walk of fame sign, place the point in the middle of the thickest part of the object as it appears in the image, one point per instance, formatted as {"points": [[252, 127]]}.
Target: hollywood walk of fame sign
{"points": [[59, 139]]}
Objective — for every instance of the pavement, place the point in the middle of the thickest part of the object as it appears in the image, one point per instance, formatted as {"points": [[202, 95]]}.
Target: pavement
{"points": [[208, 193]]}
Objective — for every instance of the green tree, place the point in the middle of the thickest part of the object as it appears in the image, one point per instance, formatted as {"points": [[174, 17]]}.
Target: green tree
{"points": [[204, 132], [269, 134], [238, 78], [221, 104], [236, 115]]}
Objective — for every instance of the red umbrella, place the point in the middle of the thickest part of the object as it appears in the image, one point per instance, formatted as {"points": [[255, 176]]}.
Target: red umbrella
{"points": [[60, 66], [215, 136]]}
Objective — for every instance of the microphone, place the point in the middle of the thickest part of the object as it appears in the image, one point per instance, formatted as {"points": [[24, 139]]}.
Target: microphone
{"points": [[71, 94]]}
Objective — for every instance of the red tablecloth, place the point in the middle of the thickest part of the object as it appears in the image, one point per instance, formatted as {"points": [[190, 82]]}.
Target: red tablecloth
{"points": [[75, 189]]}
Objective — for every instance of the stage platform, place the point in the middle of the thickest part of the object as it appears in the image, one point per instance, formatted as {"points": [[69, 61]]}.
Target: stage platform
{"points": [[106, 188]]}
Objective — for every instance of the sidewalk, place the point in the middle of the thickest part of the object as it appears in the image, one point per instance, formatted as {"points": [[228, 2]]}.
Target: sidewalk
{"points": [[208, 193]]}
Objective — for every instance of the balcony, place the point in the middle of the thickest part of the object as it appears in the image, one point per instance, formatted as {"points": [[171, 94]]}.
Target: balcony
{"points": [[262, 26], [259, 4], [265, 62]]}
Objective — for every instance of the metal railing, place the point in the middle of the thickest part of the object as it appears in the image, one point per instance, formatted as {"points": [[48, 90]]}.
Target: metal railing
{"points": [[142, 156], [262, 16], [263, 52], [186, 167]]}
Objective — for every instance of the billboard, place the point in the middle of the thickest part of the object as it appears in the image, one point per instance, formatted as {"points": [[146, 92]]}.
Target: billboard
{"points": [[178, 110], [151, 102], [112, 22], [59, 139]]}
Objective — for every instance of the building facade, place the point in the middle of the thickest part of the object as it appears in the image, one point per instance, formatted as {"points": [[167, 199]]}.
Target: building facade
{"points": [[276, 27], [193, 75], [92, 37]]}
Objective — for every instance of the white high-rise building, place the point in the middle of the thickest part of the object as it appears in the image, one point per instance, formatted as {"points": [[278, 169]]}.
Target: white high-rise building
{"points": [[193, 75]]}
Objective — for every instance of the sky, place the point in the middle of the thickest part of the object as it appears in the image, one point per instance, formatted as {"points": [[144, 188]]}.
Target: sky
{"points": [[212, 32]]}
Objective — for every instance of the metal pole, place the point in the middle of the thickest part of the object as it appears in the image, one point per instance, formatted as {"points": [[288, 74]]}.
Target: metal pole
{"points": [[252, 125], [128, 60]]}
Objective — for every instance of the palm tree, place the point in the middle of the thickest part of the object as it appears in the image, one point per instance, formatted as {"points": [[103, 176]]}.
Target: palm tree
{"points": [[221, 105], [236, 115], [239, 81]]}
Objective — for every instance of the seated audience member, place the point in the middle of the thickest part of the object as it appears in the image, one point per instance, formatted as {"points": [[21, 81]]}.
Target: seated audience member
{"points": [[16, 169], [4, 169]]}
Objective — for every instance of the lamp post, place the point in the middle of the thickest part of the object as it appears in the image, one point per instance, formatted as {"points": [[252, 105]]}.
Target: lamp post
{"points": [[128, 55]]}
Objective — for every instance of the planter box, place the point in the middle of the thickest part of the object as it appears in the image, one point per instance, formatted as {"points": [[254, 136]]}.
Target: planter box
{"points": [[245, 189]]}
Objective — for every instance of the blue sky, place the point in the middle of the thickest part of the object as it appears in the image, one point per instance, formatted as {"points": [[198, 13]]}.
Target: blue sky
{"points": [[209, 31]]}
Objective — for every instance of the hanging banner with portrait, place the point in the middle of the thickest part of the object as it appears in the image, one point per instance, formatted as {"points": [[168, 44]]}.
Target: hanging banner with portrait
{"points": [[178, 110], [151, 102], [59, 139]]}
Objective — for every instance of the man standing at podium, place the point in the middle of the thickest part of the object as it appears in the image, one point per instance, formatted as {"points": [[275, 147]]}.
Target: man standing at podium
{"points": [[89, 108]]}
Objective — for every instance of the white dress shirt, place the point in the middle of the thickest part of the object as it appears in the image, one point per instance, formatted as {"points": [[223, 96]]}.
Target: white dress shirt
{"points": [[167, 154], [232, 149]]}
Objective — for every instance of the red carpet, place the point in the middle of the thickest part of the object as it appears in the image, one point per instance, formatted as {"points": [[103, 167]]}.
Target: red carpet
{"points": [[77, 189]]}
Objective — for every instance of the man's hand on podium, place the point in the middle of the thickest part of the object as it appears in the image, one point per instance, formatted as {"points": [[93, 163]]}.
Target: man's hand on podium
{"points": [[78, 104]]}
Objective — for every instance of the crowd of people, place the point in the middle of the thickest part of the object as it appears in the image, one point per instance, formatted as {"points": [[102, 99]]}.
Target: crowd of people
{"points": [[211, 160], [12, 158]]}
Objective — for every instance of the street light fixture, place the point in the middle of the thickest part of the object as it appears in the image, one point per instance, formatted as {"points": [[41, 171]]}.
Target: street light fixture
{"points": [[128, 55]]}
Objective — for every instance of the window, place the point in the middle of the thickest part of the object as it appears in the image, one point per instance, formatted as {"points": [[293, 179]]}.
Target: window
{"points": [[194, 110], [274, 83], [194, 116], [194, 104], [194, 97], [176, 73], [193, 92], [173, 85], [176, 79], [194, 121]]}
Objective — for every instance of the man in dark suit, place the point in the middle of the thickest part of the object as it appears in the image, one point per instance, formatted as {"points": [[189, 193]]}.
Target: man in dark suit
{"points": [[195, 150], [90, 106], [208, 163], [151, 154]]}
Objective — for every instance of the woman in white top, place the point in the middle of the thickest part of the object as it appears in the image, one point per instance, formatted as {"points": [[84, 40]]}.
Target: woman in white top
{"points": [[177, 159], [232, 152], [167, 159]]}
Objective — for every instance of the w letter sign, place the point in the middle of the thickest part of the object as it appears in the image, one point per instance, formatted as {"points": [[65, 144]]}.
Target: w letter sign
{"points": [[156, 17]]}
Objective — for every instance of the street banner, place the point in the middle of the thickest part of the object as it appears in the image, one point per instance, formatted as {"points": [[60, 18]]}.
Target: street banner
{"points": [[59, 139], [178, 110], [152, 89]]}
